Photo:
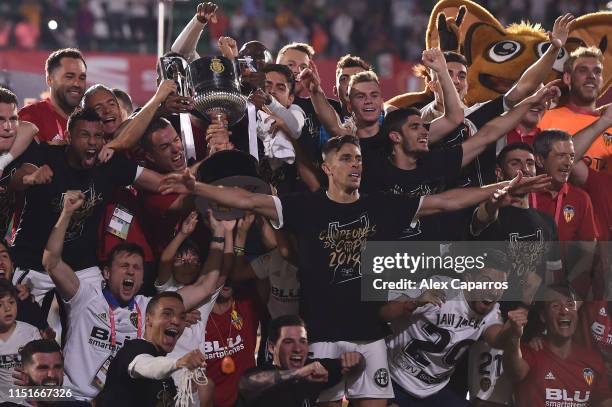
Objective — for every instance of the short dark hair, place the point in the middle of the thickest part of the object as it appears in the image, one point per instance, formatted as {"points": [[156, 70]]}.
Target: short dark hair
{"points": [[124, 98], [88, 114], [545, 139], [351, 61], [7, 288], [93, 89], [395, 119], [7, 96], [189, 245], [285, 320], [157, 123], [283, 70], [157, 297], [452, 56], [127, 247], [55, 58], [336, 143], [298, 46], [38, 346], [511, 147]]}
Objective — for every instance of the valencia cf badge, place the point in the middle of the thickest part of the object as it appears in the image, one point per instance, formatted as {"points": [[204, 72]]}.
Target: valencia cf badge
{"points": [[568, 213], [134, 319], [236, 320], [588, 376]]}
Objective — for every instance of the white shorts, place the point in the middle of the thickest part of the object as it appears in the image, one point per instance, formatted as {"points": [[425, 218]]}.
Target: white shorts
{"points": [[40, 283], [372, 383]]}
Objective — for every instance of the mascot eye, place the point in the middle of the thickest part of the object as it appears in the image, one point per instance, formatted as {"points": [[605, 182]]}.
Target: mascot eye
{"points": [[561, 57], [504, 50]]}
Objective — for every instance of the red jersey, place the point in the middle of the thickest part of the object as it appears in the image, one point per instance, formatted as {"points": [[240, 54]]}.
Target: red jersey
{"points": [[518, 135], [580, 380], [235, 337], [596, 327], [51, 125], [572, 211], [599, 188], [159, 222]]}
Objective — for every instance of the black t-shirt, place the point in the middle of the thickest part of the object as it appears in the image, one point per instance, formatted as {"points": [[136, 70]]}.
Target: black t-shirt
{"points": [[43, 204], [532, 243], [434, 172], [122, 390], [7, 197], [296, 393], [310, 140], [29, 311], [373, 147], [331, 237], [481, 171]]}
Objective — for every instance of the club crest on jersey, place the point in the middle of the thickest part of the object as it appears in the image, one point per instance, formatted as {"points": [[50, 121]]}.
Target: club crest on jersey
{"points": [[607, 138], [381, 377], [588, 376], [485, 384], [134, 319], [236, 320], [568, 213]]}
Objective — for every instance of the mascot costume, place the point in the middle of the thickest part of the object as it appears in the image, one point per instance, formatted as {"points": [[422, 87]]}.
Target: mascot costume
{"points": [[498, 55]]}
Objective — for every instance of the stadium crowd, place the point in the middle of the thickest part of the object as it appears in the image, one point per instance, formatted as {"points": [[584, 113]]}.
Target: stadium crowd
{"points": [[118, 289]]}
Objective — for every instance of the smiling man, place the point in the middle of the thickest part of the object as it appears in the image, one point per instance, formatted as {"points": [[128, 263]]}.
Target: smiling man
{"points": [[66, 73], [562, 372], [294, 380], [101, 320], [583, 74]]}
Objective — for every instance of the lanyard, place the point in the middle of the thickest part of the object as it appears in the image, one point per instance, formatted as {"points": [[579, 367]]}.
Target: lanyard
{"points": [[559, 203], [111, 316]]}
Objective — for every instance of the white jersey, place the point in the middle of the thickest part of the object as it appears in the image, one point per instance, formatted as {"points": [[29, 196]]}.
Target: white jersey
{"points": [[285, 287], [487, 380], [89, 349], [10, 358], [193, 336], [423, 350]]}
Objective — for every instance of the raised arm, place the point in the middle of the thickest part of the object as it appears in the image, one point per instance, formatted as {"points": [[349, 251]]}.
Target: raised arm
{"points": [[433, 59], [460, 198], [513, 361], [585, 137], [65, 280], [498, 127], [132, 129], [196, 293], [405, 306], [187, 41], [232, 197], [166, 260], [537, 73], [325, 112]]}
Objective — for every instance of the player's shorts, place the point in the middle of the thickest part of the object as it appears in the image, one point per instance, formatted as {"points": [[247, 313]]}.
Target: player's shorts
{"points": [[40, 283], [372, 383]]}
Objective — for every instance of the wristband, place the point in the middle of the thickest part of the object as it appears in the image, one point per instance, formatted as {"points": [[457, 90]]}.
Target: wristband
{"points": [[217, 239]]}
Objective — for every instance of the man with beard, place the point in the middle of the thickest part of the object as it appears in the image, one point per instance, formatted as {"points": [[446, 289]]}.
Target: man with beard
{"points": [[339, 224], [140, 374], [66, 73], [365, 104], [562, 372], [411, 168], [583, 74], [48, 171], [101, 320], [294, 380], [43, 365]]}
